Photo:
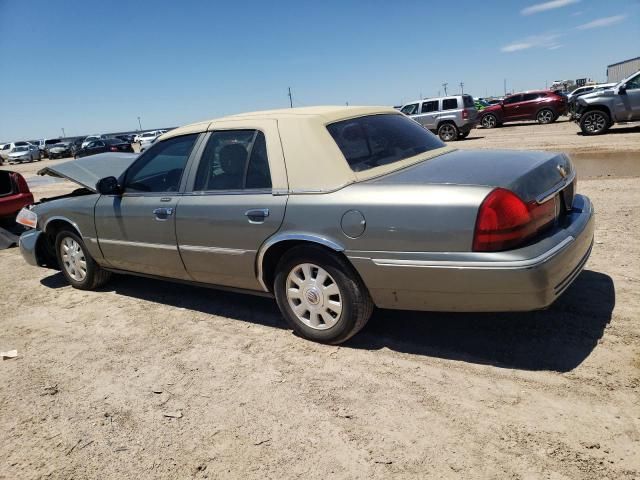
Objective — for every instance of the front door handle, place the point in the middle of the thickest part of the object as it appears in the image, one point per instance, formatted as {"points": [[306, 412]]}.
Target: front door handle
{"points": [[257, 215], [162, 214]]}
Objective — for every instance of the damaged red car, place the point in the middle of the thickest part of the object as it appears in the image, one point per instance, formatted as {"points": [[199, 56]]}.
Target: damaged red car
{"points": [[14, 194]]}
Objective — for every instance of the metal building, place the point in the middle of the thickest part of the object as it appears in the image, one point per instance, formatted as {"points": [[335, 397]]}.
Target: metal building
{"points": [[621, 70]]}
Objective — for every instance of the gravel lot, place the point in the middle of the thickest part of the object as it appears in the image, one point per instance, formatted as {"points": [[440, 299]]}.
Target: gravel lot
{"points": [[100, 377]]}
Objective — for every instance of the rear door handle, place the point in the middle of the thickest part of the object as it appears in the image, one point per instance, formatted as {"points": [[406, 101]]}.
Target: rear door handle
{"points": [[162, 214], [257, 215]]}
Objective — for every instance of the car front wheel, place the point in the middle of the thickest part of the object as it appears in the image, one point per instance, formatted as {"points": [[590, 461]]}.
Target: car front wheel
{"points": [[80, 270], [595, 122], [545, 116], [320, 295], [489, 121]]}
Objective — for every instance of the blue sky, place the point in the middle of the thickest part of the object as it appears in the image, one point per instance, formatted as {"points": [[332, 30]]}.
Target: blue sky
{"points": [[92, 66]]}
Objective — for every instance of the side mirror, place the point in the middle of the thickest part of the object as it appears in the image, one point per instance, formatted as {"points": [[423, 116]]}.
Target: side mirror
{"points": [[108, 186], [622, 89]]}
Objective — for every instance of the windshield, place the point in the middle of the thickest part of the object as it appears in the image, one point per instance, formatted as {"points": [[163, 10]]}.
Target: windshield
{"points": [[148, 135], [52, 142], [21, 149], [376, 140]]}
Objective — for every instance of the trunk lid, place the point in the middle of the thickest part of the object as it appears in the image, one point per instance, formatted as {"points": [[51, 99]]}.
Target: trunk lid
{"points": [[88, 170], [530, 175]]}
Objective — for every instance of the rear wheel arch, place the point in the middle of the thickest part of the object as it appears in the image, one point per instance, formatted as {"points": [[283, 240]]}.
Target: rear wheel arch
{"points": [[602, 108], [272, 251]]}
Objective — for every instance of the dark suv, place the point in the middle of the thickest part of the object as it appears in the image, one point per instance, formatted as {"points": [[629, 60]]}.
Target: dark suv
{"points": [[543, 106]]}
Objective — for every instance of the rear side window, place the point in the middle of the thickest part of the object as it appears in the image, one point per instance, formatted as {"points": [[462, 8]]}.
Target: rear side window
{"points": [[467, 100], [375, 140], [410, 109], [430, 106], [234, 160], [449, 104], [531, 96]]}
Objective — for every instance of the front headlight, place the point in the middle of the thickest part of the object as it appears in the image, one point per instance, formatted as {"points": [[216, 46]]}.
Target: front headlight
{"points": [[27, 218]]}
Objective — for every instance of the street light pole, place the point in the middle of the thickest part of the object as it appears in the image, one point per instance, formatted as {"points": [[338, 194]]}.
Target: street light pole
{"points": [[139, 124], [63, 134]]}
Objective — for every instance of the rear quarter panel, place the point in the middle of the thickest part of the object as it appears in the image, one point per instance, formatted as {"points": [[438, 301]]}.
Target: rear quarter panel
{"points": [[426, 218]]}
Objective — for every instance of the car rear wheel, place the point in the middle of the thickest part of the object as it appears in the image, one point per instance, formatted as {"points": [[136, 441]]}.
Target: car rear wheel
{"points": [[545, 116], [448, 132], [595, 122], [489, 121], [80, 270], [320, 295]]}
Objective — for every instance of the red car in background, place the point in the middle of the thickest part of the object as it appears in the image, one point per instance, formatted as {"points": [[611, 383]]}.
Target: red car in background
{"points": [[14, 194], [543, 106]]}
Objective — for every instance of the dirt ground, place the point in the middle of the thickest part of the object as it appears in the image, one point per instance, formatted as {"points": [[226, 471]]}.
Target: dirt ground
{"points": [[148, 379]]}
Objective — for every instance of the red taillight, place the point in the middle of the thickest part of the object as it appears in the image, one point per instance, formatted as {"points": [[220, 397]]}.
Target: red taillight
{"points": [[505, 221], [113, 149], [465, 114]]}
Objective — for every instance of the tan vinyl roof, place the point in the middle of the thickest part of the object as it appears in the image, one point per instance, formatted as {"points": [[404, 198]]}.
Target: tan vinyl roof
{"points": [[313, 160]]}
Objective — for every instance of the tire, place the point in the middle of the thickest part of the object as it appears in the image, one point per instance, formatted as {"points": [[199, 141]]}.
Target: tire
{"points": [[328, 312], [595, 122], [448, 132], [83, 277], [545, 116], [464, 135], [489, 121]]}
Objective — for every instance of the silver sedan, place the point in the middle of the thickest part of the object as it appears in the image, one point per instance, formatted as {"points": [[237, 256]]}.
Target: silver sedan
{"points": [[330, 210]]}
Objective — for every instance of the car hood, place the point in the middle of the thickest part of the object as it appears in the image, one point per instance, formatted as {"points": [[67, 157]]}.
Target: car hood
{"points": [[527, 173], [19, 154], [87, 171], [608, 92]]}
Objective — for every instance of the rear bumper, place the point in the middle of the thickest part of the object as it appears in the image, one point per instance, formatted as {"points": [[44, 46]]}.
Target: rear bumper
{"points": [[530, 278]]}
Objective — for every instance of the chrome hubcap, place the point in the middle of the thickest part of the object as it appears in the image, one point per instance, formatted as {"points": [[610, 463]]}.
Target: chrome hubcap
{"points": [[489, 121], [73, 259], [545, 116], [594, 122], [314, 296], [447, 132]]}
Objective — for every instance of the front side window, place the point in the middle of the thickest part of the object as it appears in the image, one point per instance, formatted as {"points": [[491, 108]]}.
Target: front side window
{"points": [[633, 83], [160, 168], [430, 106], [449, 104], [375, 140], [410, 109], [234, 160], [514, 99]]}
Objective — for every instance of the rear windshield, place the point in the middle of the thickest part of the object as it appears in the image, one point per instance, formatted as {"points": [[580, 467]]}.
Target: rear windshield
{"points": [[468, 101], [375, 140], [52, 142]]}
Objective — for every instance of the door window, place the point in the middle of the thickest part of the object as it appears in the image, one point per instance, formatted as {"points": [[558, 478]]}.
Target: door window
{"points": [[449, 104], [430, 106], [160, 168], [633, 83], [410, 109], [513, 99], [527, 97], [234, 160]]}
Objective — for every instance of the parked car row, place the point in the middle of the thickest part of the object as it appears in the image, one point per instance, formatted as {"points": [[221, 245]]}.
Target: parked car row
{"points": [[594, 107]]}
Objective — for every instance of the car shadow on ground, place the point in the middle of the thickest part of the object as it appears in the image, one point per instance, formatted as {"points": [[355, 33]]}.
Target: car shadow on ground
{"points": [[557, 339]]}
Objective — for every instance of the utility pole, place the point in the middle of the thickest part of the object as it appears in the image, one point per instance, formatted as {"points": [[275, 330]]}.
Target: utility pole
{"points": [[346, 103], [290, 98], [461, 88], [63, 134], [139, 124], [505, 87], [444, 85]]}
